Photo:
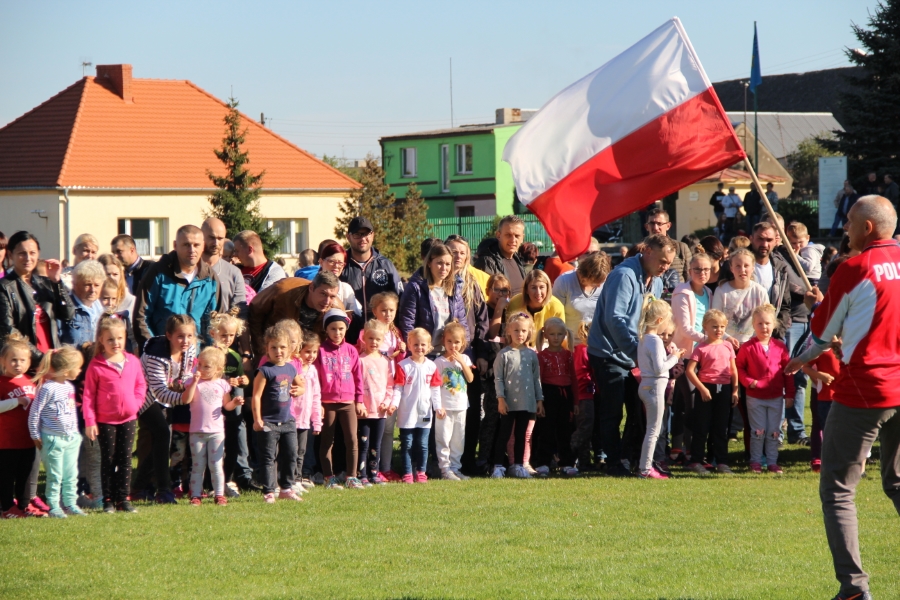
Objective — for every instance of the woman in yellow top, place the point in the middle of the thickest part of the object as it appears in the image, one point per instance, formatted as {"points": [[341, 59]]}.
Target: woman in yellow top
{"points": [[537, 300]]}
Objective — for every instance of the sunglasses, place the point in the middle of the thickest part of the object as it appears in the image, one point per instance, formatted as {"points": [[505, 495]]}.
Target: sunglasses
{"points": [[502, 291]]}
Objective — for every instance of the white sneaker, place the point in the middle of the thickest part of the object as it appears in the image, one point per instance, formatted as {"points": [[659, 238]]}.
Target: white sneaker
{"points": [[460, 476], [449, 476], [298, 488], [543, 471], [521, 472], [570, 471], [529, 469], [499, 472], [231, 490], [307, 484]]}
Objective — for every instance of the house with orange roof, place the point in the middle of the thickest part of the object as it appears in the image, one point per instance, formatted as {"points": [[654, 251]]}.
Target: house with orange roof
{"points": [[113, 154]]}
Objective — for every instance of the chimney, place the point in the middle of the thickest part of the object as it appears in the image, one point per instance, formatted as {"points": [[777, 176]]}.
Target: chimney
{"points": [[120, 78], [505, 116]]}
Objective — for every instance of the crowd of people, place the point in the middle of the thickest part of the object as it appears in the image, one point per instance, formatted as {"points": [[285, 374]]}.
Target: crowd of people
{"points": [[219, 366]]}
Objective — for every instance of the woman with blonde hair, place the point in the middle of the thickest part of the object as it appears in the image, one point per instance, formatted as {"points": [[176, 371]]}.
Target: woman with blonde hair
{"points": [[115, 271], [538, 302]]}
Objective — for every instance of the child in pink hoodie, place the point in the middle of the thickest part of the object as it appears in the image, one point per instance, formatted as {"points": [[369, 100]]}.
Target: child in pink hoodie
{"points": [[114, 389], [340, 375], [307, 409]]}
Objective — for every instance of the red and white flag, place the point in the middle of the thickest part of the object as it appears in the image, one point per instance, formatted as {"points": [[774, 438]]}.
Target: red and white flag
{"points": [[639, 128]]}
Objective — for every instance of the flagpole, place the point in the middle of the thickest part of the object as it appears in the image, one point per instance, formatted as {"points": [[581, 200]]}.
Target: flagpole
{"points": [[784, 239]]}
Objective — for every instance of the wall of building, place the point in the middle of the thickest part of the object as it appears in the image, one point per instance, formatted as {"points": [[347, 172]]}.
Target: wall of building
{"points": [[17, 210], [504, 183], [99, 212]]}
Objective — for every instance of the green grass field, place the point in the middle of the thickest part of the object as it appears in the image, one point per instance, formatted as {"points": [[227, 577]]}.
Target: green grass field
{"points": [[745, 536]]}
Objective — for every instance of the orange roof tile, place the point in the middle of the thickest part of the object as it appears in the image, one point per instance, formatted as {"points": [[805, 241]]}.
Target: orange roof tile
{"points": [[88, 136], [736, 175]]}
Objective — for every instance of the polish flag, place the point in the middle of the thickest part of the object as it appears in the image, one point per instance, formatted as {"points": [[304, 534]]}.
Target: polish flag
{"points": [[639, 128]]}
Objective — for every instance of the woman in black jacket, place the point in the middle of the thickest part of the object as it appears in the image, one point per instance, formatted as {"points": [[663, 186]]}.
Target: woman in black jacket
{"points": [[29, 303]]}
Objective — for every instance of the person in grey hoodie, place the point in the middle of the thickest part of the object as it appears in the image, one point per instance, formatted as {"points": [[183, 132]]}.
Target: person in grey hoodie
{"points": [[613, 340]]}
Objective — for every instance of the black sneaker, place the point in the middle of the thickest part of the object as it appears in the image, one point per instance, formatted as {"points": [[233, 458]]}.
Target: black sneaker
{"points": [[108, 507], [662, 468], [618, 471], [125, 506], [853, 596], [249, 485]]}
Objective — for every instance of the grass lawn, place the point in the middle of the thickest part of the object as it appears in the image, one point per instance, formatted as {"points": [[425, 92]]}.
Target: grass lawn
{"points": [[745, 536]]}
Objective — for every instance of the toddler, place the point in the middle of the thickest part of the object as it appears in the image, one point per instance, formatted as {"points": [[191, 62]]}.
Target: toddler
{"points": [[822, 372], [114, 391], [553, 433], [455, 369], [307, 408], [416, 391], [712, 371], [276, 431], [53, 425], [384, 309], [654, 362], [17, 451], [207, 422], [585, 392], [517, 378], [809, 255], [340, 375], [760, 364], [378, 393]]}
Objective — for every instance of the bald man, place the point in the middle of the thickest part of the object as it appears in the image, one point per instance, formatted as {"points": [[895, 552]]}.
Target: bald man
{"points": [[180, 283], [230, 278], [258, 271], [862, 310]]}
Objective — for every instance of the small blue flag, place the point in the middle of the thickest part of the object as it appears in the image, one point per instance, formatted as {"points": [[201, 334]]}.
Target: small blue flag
{"points": [[755, 74]]}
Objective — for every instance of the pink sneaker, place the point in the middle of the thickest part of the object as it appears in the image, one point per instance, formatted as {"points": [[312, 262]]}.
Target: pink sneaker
{"points": [[816, 465], [269, 498], [653, 474], [392, 476], [408, 478], [775, 469], [195, 501], [40, 504], [289, 495], [421, 477], [755, 468]]}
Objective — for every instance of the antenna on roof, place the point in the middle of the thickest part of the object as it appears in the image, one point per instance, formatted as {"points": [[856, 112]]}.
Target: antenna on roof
{"points": [[85, 64]]}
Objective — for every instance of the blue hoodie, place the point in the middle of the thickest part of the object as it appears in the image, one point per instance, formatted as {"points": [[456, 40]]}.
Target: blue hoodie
{"points": [[307, 272], [614, 331]]}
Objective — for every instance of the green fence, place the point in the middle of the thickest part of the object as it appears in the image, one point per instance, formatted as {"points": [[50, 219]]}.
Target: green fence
{"points": [[475, 229]]}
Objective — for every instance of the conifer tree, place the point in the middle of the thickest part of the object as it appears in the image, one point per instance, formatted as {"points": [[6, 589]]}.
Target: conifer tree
{"points": [[872, 110], [236, 202]]}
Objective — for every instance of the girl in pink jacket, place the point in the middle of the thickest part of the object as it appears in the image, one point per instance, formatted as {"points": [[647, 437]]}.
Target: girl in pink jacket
{"points": [[114, 389]]}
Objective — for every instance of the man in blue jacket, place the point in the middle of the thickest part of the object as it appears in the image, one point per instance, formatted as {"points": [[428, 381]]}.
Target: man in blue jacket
{"points": [[613, 339], [179, 283]]}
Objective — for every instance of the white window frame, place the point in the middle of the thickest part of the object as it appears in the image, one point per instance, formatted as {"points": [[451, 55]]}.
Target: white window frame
{"points": [[152, 242], [462, 152], [295, 227], [408, 162], [445, 168]]}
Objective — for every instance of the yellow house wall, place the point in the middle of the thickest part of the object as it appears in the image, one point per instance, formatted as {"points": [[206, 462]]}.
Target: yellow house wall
{"points": [[99, 212], [16, 215]]}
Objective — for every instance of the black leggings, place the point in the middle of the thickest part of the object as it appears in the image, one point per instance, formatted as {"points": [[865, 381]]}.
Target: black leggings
{"points": [[116, 443], [553, 432], [370, 434], [155, 421], [513, 420], [710, 420], [345, 412], [15, 470]]}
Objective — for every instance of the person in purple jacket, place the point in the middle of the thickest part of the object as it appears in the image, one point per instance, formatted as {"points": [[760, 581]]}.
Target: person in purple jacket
{"points": [[433, 298]]}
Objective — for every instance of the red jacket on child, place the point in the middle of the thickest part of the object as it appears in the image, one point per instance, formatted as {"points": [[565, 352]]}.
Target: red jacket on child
{"points": [[767, 369], [14, 419], [110, 397]]}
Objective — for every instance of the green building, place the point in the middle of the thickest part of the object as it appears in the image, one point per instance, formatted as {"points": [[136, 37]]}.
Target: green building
{"points": [[460, 171]]}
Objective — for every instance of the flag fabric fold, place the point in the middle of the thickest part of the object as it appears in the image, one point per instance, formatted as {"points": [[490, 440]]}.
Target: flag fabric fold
{"points": [[639, 128], [755, 72]]}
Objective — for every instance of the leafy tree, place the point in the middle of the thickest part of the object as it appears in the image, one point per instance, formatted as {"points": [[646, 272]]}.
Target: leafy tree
{"points": [[803, 164], [341, 165], [400, 224], [236, 202], [872, 112]]}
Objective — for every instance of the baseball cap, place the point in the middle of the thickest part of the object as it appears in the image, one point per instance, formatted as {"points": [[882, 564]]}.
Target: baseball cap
{"points": [[358, 223]]}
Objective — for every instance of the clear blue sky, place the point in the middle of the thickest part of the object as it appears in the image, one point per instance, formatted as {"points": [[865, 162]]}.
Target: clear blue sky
{"points": [[335, 76]]}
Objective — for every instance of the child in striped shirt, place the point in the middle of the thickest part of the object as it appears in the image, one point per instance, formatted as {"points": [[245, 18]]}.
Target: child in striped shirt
{"points": [[53, 425]]}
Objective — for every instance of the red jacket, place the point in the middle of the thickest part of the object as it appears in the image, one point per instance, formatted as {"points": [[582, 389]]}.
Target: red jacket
{"points": [[14, 421], [584, 377], [766, 369], [110, 397]]}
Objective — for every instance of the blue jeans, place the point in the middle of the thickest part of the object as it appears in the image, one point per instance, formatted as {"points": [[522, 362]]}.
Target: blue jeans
{"points": [[796, 430], [414, 449], [838, 224], [618, 390], [277, 445]]}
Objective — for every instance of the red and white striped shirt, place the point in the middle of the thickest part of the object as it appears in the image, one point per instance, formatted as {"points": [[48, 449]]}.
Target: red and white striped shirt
{"points": [[862, 307]]}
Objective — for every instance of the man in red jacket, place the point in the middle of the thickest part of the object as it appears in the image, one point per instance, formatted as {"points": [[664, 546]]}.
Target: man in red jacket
{"points": [[862, 309]]}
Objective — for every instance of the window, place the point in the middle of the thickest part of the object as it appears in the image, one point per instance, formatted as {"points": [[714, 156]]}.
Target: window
{"points": [[445, 168], [466, 211], [295, 232], [149, 235], [464, 159], [407, 162]]}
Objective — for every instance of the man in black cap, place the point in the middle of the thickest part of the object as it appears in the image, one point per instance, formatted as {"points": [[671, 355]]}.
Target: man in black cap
{"points": [[367, 271]]}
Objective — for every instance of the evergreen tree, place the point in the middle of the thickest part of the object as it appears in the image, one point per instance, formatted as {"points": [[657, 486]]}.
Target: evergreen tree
{"points": [[872, 122], [236, 202], [803, 164], [400, 224]]}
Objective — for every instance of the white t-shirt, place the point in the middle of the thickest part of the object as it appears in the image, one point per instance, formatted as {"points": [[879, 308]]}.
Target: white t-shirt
{"points": [[765, 275], [453, 383], [442, 305]]}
